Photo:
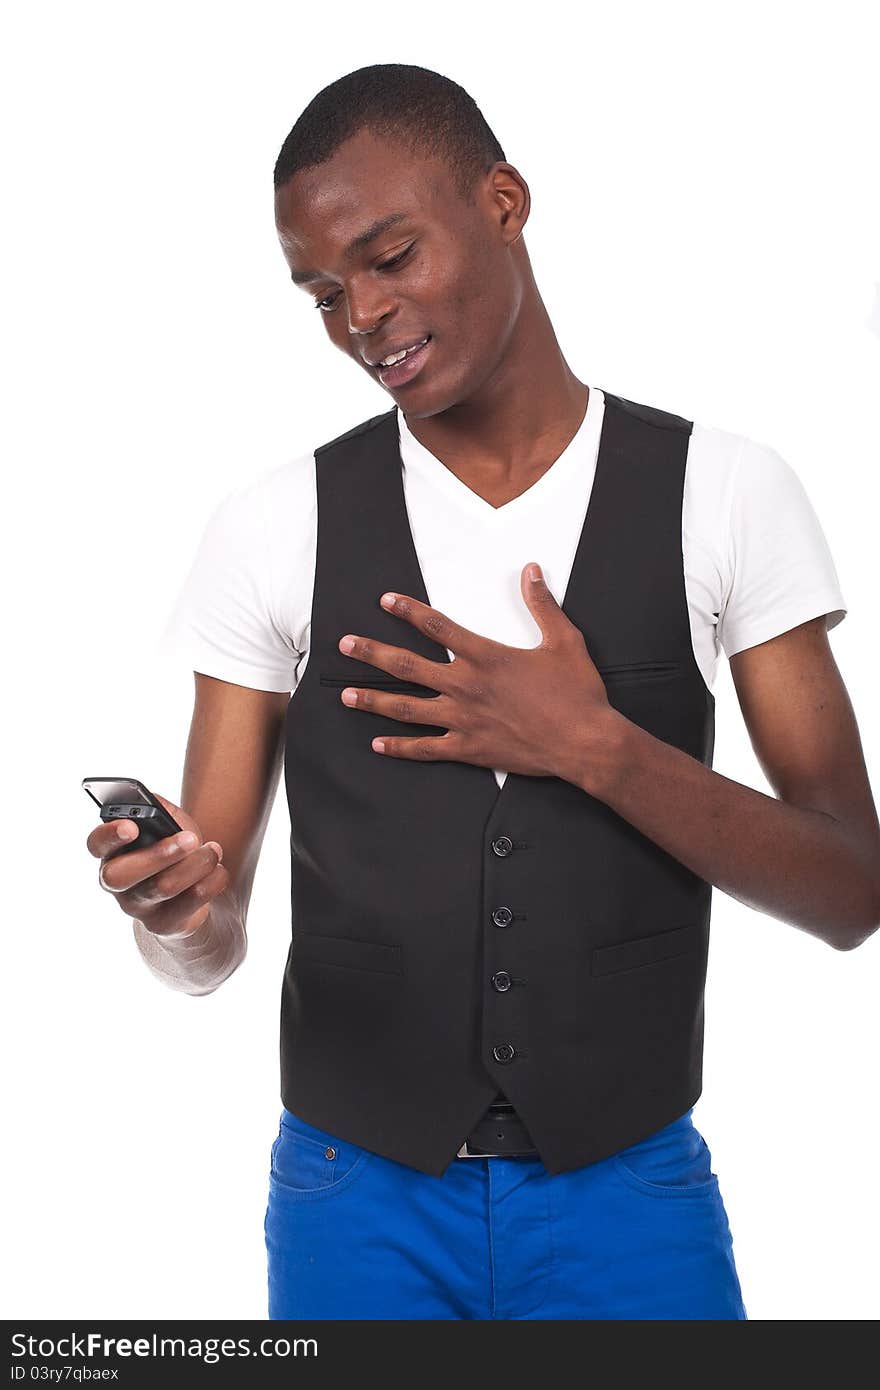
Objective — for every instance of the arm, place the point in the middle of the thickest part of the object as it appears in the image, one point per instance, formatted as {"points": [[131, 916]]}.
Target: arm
{"points": [[233, 759], [811, 855]]}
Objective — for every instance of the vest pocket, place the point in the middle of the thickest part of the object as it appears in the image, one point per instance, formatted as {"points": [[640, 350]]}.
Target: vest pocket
{"points": [[646, 950], [347, 952], [377, 683], [628, 672]]}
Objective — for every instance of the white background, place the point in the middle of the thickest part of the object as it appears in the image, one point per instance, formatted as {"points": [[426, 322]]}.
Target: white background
{"points": [[705, 233]]}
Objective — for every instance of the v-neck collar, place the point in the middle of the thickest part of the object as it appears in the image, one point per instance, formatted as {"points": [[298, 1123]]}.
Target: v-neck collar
{"points": [[416, 455], [395, 502]]}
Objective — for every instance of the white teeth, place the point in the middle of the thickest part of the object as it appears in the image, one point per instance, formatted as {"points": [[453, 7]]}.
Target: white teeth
{"points": [[399, 356]]}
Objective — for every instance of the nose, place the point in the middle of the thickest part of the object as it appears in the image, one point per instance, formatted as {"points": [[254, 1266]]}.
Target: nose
{"points": [[367, 307]]}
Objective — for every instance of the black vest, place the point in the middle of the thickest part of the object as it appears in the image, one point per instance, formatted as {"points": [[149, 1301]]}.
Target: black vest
{"points": [[452, 939]]}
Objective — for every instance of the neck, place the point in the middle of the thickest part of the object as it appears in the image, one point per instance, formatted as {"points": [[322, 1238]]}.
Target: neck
{"points": [[521, 418]]}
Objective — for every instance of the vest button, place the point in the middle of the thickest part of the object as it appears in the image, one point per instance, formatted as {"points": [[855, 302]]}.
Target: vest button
{"points": [[329, 1153], [501, 980], [502, 916], [503, 1052], [502, 846]]}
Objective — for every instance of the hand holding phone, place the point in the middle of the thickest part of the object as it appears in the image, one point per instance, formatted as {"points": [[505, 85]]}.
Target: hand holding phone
{"points": [[153, 858]]}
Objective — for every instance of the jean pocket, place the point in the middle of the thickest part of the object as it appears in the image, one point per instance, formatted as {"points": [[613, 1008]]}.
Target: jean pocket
{"points": [[673, 1162], [309, 1163]]}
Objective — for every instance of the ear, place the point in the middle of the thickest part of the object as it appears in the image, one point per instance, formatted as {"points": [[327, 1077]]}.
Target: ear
{"points": [[510, 200]]}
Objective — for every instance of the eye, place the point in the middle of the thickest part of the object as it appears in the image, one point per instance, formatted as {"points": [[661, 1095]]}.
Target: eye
{"points": [[395, 260], [328, 301]]}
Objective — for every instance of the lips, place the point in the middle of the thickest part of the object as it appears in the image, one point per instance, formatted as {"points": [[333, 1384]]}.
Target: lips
{"points": [[393, 349], [407, 368], [398, 352]]}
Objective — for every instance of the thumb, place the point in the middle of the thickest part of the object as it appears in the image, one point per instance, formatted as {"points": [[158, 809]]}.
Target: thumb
{"points": [[540, 602]]}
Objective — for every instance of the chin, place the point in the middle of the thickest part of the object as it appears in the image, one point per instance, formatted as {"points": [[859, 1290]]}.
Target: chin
{"points": [[432, 399]]}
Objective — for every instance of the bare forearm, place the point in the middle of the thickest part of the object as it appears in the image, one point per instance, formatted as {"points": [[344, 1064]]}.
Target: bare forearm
{"points": [[198, 963], [793, 863]]}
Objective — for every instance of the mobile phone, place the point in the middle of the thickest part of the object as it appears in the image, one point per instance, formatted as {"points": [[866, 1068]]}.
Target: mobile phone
{"points": [[125, 798]]}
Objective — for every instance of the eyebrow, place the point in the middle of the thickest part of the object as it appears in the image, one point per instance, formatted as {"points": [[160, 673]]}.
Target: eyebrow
{"points": [[302, 277]]}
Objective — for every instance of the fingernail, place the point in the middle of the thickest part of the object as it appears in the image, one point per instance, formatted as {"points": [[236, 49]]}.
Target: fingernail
{"points": [[125, 830], [347, 644], [188, 840], [212, 844], [534, 573], [379, 745], [388, 600]]}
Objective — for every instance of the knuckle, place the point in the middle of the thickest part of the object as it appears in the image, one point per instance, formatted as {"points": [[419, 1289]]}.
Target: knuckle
{"points": [[131, 905], [401, 709], [406, 665], [212, 884], [435, 625], [150, 892]]}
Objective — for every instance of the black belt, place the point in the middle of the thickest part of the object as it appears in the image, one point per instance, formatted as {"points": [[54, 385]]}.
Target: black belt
{"points": [[500, 1133]]}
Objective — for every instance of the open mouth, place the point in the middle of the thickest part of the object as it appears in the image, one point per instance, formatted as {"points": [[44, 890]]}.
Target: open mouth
{"points": [[403, 367]]}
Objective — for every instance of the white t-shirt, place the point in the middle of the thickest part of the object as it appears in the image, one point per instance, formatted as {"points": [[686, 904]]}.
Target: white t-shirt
{"points": [[756, 561]]}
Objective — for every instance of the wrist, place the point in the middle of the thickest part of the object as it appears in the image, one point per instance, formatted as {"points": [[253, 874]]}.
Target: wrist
{"points": [[197, 961], [599, 753]]}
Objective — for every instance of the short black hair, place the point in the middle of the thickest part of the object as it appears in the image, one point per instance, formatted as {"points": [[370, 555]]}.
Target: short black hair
{"points": [[419, 108]]}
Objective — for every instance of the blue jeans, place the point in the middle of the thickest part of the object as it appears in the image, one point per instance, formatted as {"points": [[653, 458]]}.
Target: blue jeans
{"points": [[640, 1235]]}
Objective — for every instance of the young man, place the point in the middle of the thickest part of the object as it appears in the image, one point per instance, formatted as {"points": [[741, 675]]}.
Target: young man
{"points": [[499, 606]]}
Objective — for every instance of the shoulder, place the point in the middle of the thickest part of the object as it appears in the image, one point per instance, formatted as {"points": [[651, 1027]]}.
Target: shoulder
{"points": [[387, 420], [280, 499], [647, 414], [274, 488], [749, 466], [732, 475]]}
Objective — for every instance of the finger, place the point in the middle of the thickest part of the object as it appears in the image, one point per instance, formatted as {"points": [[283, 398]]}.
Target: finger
{"points": [[409, 666], [171, 883], [410, 709], [109, 835], [163, 887], [423, 750], [176, 811], [186, 913], [434, 624], [541, 603], [119, 872]]}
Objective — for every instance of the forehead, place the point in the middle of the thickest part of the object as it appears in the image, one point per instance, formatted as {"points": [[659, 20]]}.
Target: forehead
{"points": [[366, 179]]}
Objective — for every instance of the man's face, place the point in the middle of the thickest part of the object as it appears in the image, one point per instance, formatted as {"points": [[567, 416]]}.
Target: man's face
{"points": [[442, 269]]}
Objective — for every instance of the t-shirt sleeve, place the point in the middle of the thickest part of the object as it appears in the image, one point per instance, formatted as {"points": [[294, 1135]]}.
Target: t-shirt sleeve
{"points": [[779, 568], [225, 620]]}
